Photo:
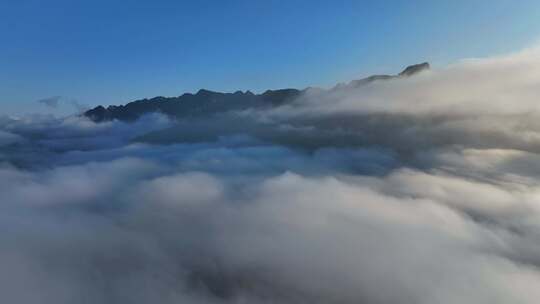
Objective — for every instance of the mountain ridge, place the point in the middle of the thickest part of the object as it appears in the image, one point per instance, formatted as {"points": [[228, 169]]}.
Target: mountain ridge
{"points": [[206, 102]]}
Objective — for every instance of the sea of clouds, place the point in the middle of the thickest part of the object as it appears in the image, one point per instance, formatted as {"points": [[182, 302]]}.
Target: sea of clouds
{"points": [[413, 190]]}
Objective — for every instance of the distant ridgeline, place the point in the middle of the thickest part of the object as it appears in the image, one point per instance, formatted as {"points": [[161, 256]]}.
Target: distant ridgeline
{"points": [[207, 102]]}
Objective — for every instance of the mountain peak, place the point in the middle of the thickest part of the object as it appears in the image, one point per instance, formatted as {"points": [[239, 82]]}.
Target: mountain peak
{"points": [[204, 92], [414, 69]]}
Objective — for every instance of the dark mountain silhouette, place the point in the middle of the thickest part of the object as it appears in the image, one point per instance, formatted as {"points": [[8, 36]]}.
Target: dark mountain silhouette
{"points": [[413, 69], [408, 71], [206, 102], [203, 102]]}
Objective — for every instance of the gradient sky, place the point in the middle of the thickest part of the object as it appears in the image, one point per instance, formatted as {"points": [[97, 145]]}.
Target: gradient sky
{"points": [[111, 52]]}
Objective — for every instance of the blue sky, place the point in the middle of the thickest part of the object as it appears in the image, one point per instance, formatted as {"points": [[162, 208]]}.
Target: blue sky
{"points": [[111, 52]]}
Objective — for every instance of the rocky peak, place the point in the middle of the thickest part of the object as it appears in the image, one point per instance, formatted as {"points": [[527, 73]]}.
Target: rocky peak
{"points": [[414, 69]]}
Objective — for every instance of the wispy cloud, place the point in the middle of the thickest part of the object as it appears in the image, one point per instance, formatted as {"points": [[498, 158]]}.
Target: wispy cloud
{"points": [[51, 102]]}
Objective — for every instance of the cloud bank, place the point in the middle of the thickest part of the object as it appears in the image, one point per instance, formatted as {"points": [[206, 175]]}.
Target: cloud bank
{"points": [[410, 190]]}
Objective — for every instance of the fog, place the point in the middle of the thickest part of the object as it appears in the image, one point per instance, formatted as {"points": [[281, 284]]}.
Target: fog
{"points": [[410, 190]]}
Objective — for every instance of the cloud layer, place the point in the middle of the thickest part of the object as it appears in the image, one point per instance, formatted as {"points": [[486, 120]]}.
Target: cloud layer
{"points": [[411, 190]]}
